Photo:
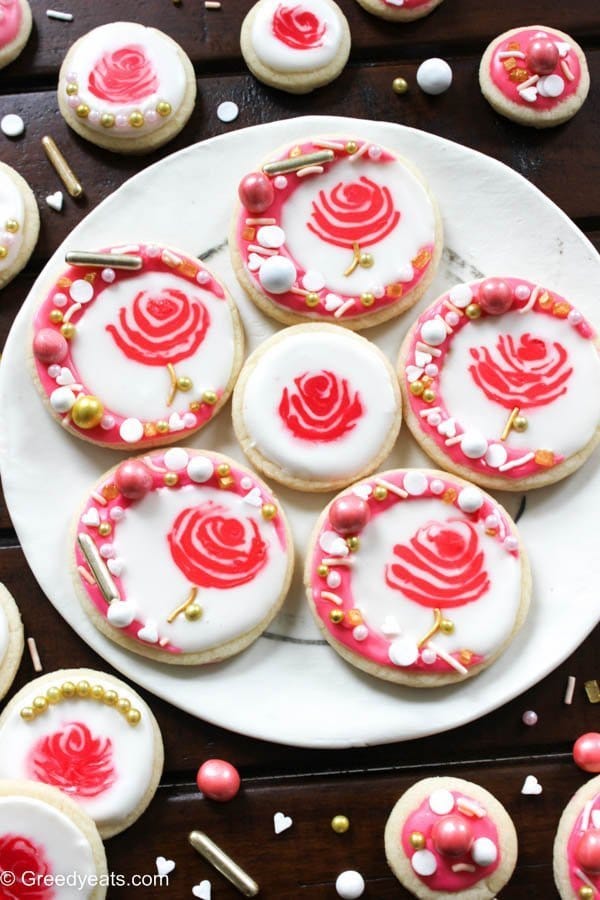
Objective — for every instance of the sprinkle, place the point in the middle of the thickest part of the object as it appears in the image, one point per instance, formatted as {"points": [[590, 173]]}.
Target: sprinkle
{"points": [[338, 561], [310, 170], [71, 311], [299, 291], [463, 867], [55, 201], [261, 221], [450, 442], [570, 690], [343, 308], [427, 412], [254, 248], [470, 808], [392, 488], [585, 818], [529, 717], [327, 595], [567, 72], [86, 574], [223, 863], [506, 54], [450, 306], [509, 423], [62, 167], [592, 689], [98, 497], [360, 152], [294, 163], [228, 111], [531, 786], [449, 659], [425, 348], [61, 16], [529, 83], [12, 125], [152, 465], [212, 4], [531, 302], [584, 878], [515, 463], [35, 656], [163, 642], [329, 145], [102, 576]]}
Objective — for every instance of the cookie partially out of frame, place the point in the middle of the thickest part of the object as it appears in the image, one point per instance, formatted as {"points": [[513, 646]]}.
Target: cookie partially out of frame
{"points": [[15, 27], [577, 845], [11, 640], [19, 223], [400, 10]]}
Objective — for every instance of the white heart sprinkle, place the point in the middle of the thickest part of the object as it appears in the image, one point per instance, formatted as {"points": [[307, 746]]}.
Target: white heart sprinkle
{"points": [[332, 543], [413, 373], [405, 274], [254, 497], [115, 566], [562, 47], [422, 359], [176, 459], [529, 94], [531, 786], [121, 613], [164, 866], [200, 469], [447, 428], [91, 517], [363, 491], [332, 302], [176, 423], [313, 280], [131, 431], [81, 291], [281, 822], [65, 376], [55, 201], [390, 627], [203, 890], [254, 262], [271, 236], [149, 632]]}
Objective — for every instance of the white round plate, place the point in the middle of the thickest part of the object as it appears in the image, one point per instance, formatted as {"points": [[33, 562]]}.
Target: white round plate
{"points": [[289, 686]]}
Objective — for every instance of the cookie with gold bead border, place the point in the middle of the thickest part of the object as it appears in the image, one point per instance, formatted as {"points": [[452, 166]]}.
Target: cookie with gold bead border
{"points": [[89, 735], [449, 837], [126, 87], [43, 832], [11, 640], [19, 223], [577, 845], [501, 383], [400, 10], [15, 28]]}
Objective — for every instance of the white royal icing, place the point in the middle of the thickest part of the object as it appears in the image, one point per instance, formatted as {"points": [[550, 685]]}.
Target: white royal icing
{"points": [[347, 358], [11, 207], [277, 54]]}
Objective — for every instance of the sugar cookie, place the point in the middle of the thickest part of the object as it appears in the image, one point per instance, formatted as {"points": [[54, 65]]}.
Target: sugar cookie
{"points": [[15, 28], [417, 577], [19, 223], [501, 383], [577, 845], [11, 640], [400, 10]]}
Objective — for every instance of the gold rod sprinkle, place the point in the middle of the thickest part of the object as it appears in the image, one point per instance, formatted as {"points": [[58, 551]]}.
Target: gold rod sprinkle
{"points": [[437, 613], [173, 377], [62, 167], [355, 259], [102, 576], [298, 162], [592, 690], [178, 610], [223, 863], [113, 260], [509, 423]]}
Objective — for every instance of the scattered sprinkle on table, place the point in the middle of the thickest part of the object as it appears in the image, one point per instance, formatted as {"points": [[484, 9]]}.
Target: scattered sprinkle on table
{"points": [[531, 786], [61, 16], [228, 111], [12, 125], [592, 690], [212, 4], [434, 76], [35, 656], [350, 885], [62, 167], [570, 690], [55, 201], [529, 717]]}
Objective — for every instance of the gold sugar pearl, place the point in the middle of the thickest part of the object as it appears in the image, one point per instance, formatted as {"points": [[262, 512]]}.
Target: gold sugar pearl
{"points": [[269, 511], [71, 89], [194, 406], [82, 111], [162, 427], [586, 892], [40, 704], [223, 469], [340, 824], [336, 616], [447, 626], [380, 492], [520, 423], [209, 397], [367, 299], [87, 413], [136, 120], [352, 543], [311, 299], [473, 311], [55, 316], [123, 705], [365, 260], [351, 147], [27, 713], [428, 395], [193, 612], [171, 479], [83, 688], [53, 695], [67, 330], [107, 120], [416, 388], [417, 840], [3, 252], [163, 108], [134, 716], [12, 226], [399, 85], [323, 570], [184, 383], [104, 529], [97, 692], [67, 689], [110, 698]]}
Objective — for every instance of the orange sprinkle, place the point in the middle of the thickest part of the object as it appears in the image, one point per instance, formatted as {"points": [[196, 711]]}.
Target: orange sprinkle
{"points": [[509, 63], [519, 75], [354, 617], [110, 491], [194, 406], [449, 496], [226, 482], [465, 656], [421, 259], [249, 233], [91, 276], [426, 380], [491, 532], [546, 300], [295, 151], [64, 282], [188, 269], [514, 45], [149, 429], [544, 458], [395, 290], [561, 309]]}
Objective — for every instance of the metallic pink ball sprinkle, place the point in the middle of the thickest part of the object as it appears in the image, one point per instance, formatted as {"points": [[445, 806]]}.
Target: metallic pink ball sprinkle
{"points": [[586, 752], [50, 346], [529, 717], [495, 297], [256, 192], [452, 835], [218, 780], [587, 852], [349, 514], [133, 479], [574, 317], [542, 56]]}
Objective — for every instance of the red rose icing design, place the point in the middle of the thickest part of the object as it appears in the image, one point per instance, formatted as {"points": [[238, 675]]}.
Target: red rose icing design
{"points": [[528, 374], [320, 407], [359, 212], [74, 761], [442, 567], [162, 328], [298, 28], [214, 548], [22, 858], [123, 76]]}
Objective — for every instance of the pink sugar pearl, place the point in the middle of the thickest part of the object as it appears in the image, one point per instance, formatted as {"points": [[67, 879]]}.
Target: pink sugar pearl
{"points": [[218, 780]]}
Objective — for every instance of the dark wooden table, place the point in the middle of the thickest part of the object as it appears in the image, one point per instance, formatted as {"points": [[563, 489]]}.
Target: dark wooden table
{"points": [[497, 751]]}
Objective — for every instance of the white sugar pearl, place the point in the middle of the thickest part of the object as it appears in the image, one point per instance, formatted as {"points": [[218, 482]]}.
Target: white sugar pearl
{"points": [[496, 455], [434, 332], [403, 651], [484, 851], [131, 431], [441, 802], [461, 295], [277, 274], [424, 862], [334, 579], [511, 542], [437, 486], [428, 656], [62, 399], [415, 483], [350, 885], [473, 444], [12, 125], [470, 500], [60, 299], [522, 292], [280, 183], [434, 76], [81, 291], [270, 236], [108, 275], [360, 633], [200, 469], [228, 111], [176, 459]]}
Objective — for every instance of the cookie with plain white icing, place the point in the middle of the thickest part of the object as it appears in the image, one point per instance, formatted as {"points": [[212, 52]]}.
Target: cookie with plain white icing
{"points": [[577, 845], [15, 28], [417, 577], [11, 640], [335, 230], [136, 358], [89, 735], [126, 87], [316, 407], [19, 223], [194, 552], [400, 10], [295, 47], [447, 837], [535, 75], [501, 383], [49, 844]]}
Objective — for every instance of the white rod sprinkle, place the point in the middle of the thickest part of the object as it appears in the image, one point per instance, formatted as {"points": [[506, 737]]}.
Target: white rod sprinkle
{"points": [[35, 656], [212, 4], [255, 248], [463, 867], [425, 348], [327, 595], [470, 808], [515, 463], [447, 658], [565, 67], [86, 574], [61, 16], [261, 221], [328, 145], [570, 690], [450, 442], [99, 498], [532, 300], [71, 311], [360, 152], [587, 812], [584, 878], [392, 488], [529, 83], [310, 170], [338, 561], [507, 54], [343, 308], [425, 413]]}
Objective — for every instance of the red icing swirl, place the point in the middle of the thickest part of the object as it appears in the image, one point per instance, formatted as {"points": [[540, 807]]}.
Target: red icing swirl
{"points": [[320, 407], [442, 567], [161, 328], [528, 374], [298, 28], [361, 211], [27, 862], [74, 761], [214, 548], [125, 75]]}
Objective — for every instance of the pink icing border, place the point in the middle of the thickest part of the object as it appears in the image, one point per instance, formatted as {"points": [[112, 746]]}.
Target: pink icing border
{"points": [[574, 837], [291, 300], [444, 879], [11, 17], [104, 511], [408, 4], [419, 406], [154, 261], [500, 76], [375, 646]]}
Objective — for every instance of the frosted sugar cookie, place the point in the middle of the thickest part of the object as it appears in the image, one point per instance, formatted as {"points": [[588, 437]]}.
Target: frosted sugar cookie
{"points": [[316, 407], [11, 640], [136, 357], [89, 735], [447, 837], [295, 46], [15, 28], [577, 845], [417, 577], [400, 10], [535, 75], [126, 87], [501, 382], [183, 556], [19, 222], [335, 230], [45, 840]]}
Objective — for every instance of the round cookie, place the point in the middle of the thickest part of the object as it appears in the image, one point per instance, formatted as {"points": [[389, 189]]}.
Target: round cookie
{"points": [[501, 384], [182, 556], [19, 223], [447, 837], [15, 28], [577, 845], [335, 230], [126, 87], [535, 75], [45, 840], [134, 359], [316, 407], [417, 577], [89, 735], [295, 47], [400, 10], [11, 640]]}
